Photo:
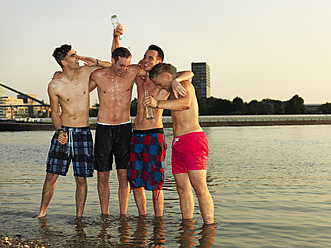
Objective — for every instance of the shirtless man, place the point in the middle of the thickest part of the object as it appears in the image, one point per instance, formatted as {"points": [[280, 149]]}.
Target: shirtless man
{"points": [[147, 146], [72, 140], [113, 132], [189, 145]]}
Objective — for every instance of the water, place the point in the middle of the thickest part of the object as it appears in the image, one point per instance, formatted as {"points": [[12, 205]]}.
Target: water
{"points": [[270, 185]]}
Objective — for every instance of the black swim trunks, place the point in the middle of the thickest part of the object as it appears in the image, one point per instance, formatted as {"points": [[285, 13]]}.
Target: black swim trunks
{"points": [[112, 140]]}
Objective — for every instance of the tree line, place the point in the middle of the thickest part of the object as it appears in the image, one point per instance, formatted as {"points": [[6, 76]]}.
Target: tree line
{"points": [[218, 106]]}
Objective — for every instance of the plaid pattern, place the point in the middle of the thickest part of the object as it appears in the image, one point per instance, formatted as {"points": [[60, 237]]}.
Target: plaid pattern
{"points": [[79, 149], [146, 166]]}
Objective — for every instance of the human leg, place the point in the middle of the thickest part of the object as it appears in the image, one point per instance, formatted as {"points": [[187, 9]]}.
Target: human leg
{"points": [[123, 190], [47, 194], [206, 204], [103, 191], [158, 201], [81, 192], [140, 200], [186, 199]]}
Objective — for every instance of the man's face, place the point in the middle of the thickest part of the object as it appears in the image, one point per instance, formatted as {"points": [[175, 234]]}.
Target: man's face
{"points": [[161, 82], [150, 59], [71, 60], [121, 66]]}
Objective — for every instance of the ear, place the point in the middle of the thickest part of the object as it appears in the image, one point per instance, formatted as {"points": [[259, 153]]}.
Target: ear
{"points": [[112, 61], [64, 62], [167, 76]]}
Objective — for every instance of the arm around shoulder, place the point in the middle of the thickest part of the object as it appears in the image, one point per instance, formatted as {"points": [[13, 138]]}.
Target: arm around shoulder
{"points": [[181, 103]]}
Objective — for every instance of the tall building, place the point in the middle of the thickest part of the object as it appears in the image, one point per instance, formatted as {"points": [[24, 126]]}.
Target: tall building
{"points": [[201, 79]]}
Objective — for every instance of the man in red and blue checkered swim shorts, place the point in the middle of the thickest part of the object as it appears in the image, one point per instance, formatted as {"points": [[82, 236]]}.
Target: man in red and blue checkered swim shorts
{"points": [[147, 153]]}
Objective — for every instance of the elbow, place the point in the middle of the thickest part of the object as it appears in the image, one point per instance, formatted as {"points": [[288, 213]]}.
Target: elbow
{"points": [[186, 106]]}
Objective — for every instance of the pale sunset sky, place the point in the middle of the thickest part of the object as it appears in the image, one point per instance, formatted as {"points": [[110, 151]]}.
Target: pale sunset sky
{"points": [[256, 49]]}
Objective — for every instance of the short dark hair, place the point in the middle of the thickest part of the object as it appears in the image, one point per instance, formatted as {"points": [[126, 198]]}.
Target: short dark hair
{"points": [[60, 53], [120, 52], [160, 69], [160, 53]]}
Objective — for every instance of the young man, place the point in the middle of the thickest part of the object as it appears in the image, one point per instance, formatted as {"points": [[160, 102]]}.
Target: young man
{"points": [[72, 140], [114, 87], [147, 146], [189, 145], [113, 133]]}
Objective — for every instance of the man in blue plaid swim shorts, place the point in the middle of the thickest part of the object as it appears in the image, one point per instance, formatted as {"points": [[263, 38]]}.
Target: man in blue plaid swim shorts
{"points": [[72, 140]]}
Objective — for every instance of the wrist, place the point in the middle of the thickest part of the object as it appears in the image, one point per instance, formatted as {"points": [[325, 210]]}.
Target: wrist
{"points": [[157, 104], [58, 131]]}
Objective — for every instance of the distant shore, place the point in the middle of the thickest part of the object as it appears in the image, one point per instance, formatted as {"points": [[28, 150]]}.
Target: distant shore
{"points": [[205, 121]]}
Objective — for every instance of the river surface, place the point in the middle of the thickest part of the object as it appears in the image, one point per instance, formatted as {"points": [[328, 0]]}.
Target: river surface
{"points": [[271, 187]]}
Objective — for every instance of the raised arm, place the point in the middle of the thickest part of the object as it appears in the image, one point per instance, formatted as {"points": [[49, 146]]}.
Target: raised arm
{"points": [[92, 62], [175, 84], [116, 35]]}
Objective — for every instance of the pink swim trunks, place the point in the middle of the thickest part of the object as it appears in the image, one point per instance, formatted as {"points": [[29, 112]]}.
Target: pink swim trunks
{"points": [[189, 152]]}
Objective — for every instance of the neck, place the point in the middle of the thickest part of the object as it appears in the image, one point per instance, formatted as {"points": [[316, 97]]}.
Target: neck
{"points": [[68, 73]]}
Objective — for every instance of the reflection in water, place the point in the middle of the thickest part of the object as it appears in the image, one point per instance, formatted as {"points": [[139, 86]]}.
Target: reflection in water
{"points": [[187, 232], [105, 224], [80, 238], [158, 239], [188, 235], [207, 236], [124, 230], [46, 233], [139, 236]]}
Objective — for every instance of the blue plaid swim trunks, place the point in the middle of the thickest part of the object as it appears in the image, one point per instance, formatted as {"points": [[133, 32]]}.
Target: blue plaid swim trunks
{"points": [[147, 153], [78, 149]]}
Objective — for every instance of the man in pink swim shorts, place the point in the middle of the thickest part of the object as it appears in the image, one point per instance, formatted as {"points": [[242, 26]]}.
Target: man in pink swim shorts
{"points": [[189, 152], [189, 146]]}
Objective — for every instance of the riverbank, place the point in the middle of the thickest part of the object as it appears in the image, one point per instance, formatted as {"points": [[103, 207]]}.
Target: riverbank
{"points": [[205, 121], [16, 241]]}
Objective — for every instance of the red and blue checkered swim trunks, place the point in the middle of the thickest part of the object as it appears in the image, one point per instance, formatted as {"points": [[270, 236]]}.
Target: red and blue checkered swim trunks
{"points": [[79, 149], [147, 153]]}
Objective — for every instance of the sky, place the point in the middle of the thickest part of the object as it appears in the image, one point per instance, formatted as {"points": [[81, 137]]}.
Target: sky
{"points": [[256, 49]]}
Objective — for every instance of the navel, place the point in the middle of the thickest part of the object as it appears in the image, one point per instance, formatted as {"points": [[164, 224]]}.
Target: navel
{"points": [[84, 92], [68, 100], [104, 91]]}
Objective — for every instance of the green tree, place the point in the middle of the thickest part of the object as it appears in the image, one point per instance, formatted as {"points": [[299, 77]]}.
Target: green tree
{"points": [[325, 108], [238, 106], [295, 105], [252, 108]]}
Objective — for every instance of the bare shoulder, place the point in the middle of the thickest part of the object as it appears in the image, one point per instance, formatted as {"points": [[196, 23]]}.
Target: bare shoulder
{"points": [[187, 85], [99, 73], [136, 70], [54, 86]]}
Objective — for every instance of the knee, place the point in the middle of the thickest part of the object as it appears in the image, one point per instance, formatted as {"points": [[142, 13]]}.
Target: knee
{"points": [[103, 177], [183, 190], [201, 191], [81, 181]]}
